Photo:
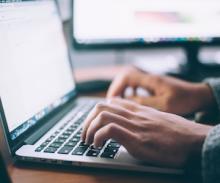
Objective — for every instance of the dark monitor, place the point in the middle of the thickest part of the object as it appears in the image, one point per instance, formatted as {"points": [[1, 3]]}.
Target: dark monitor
{"points": [[4, 177], [145, 22]]}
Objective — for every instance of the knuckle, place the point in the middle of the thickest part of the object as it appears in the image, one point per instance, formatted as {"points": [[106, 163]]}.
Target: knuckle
{"points": [[143, 140], [156, 78], [100, 106], [111, 128], [103, 116], [97, 135]]}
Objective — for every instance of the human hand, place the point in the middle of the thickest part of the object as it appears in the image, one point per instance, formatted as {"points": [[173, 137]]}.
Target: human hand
{"points": [[167, 94], [148, 134]]}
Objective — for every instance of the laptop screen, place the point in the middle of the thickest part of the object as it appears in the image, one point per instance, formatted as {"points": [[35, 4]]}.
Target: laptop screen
{"points": [[35, 73]]}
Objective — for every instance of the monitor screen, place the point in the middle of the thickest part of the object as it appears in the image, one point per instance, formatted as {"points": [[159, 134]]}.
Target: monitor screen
{"points": [[145, 21], [35, 73]]}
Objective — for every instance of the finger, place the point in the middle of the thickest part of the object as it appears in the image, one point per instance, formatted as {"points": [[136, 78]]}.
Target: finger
{"points": [[122, 81], [104, 107], [105, 118], [129, 105], [147, 81], [153, 102], [116, 132], [118, 86]]}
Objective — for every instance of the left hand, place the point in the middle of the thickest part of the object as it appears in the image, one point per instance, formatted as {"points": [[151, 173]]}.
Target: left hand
{"points": [[148, 134], [167, 94]]}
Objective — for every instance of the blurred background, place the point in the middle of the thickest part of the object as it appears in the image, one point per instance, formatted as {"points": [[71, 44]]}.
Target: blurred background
{"points": [[145, 56]]}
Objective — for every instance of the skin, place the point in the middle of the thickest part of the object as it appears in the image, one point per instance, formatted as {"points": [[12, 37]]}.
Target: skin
{"points": [[167, 94], [147, 133]]}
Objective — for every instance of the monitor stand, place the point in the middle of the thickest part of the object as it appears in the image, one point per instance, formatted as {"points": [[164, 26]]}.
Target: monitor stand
{"points": [[192, 52]]}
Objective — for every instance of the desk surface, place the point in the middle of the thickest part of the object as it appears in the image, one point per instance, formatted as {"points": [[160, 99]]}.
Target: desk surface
{"points": [[36, 174]]}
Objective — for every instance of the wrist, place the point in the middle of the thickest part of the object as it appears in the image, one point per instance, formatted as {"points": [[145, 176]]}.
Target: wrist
{"points": [[203, 96], [199, 134]]}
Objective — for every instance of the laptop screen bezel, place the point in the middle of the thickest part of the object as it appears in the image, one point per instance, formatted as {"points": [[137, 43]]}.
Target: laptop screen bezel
{"points": [[19, 141]]}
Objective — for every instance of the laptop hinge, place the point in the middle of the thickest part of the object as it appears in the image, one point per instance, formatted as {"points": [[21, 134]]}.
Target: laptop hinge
{"points": [[32, 139]]}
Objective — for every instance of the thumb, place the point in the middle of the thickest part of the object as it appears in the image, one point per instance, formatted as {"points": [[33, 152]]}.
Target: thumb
{"points": [[150, 82]]}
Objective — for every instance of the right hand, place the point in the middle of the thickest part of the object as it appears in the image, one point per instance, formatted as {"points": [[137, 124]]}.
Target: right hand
{"points": [[148, 134], [167, 94]]}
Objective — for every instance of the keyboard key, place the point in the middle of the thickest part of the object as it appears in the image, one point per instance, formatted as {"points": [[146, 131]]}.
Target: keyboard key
{"points": [[67, 133], [64, 136], [74, 126], [70, 131], [50, 150], [82, 144], [93, 153], [111, 150], [57, 132], [49, 139], [78, 135], [53, 135], [79, 121], [44, 144], [55, 145], [79, 150], [71, 143], [92, 147], [113, 141], [60, 140], [65, 150], [74, 139], [40, 148], [108, 155], [113, 145]]}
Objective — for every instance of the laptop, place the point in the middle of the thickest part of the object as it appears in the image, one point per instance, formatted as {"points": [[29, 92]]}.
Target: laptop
{"points": [[42, 115]]}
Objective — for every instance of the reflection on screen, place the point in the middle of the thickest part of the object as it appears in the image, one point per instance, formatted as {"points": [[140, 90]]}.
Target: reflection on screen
{"points": [[146, 20], [35, 74]]}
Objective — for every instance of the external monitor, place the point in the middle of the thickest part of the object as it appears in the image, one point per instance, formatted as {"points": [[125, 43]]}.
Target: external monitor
{"points": [[145, 22]]}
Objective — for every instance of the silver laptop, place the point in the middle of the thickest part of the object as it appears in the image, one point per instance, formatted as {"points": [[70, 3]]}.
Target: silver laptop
{"points": [[41, 113]]}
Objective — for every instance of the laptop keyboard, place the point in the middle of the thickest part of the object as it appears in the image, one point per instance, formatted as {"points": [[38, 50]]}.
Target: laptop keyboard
{"points": [[66, 140]]}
